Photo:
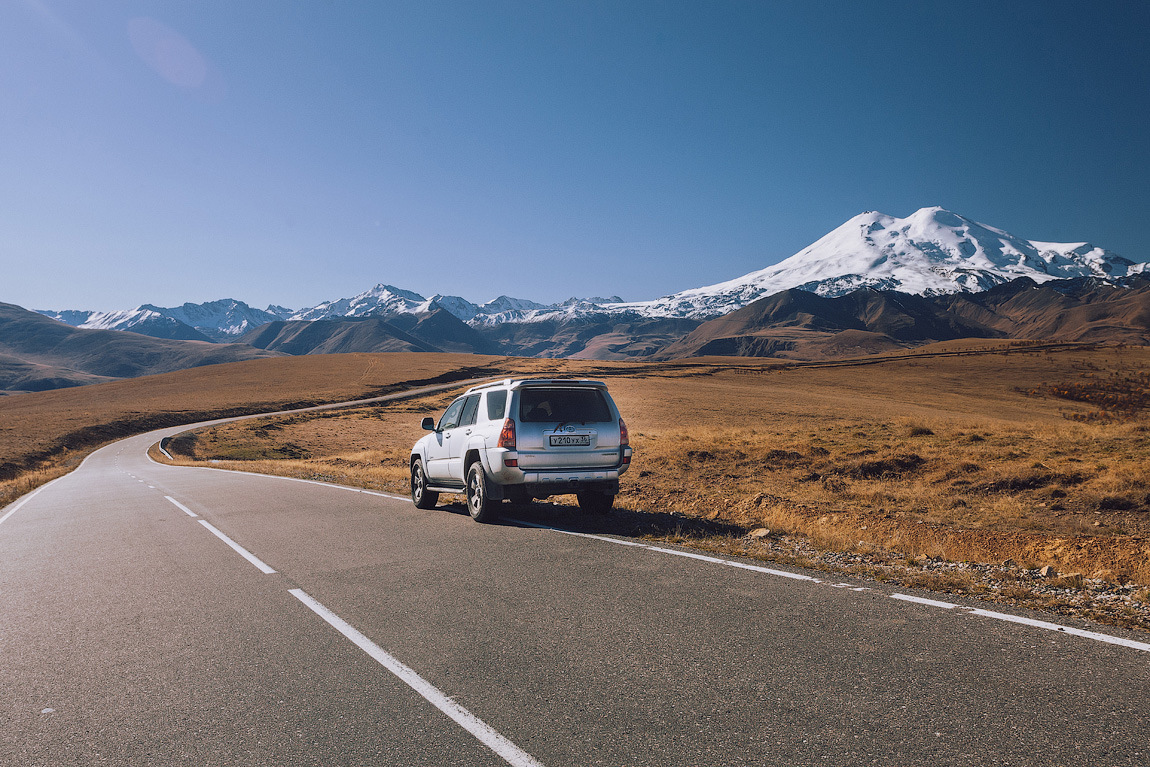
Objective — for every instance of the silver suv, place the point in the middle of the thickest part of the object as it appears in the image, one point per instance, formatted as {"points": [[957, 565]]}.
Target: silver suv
{"points": [[523, 439]]}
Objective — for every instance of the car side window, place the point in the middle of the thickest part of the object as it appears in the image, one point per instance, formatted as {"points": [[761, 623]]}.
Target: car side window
{"points": [[470, 408], [450, 417], [496, 404]]}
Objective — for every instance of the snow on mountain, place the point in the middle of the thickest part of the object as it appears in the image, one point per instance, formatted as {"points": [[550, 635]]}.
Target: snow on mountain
{"points": [[933, 251], [380, 300], [384, 300], [509, 304], [460, 307], [221, 320], [281, 312]]}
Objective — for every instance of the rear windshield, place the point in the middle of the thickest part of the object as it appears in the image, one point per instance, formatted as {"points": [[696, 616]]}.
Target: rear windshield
{"points": [[563, 406]]}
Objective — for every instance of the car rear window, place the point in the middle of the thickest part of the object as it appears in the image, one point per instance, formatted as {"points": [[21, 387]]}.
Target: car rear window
{"points": [[563, 406]]}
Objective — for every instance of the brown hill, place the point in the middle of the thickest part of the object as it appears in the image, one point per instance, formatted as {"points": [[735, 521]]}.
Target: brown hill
{"points": [[795, 324], [436, 331], [800, 325], [367, 334], [445, 331], [1064, 310], [38, 353], [606, 337]]}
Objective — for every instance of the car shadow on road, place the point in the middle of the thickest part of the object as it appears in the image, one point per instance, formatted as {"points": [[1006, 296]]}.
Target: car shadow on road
{"points": [[621, 522]]}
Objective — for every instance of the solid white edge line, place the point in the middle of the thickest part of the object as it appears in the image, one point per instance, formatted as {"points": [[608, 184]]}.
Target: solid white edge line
{"points": [[20, 504], [903, 597], [182, 507], [921, 601], [507, 750], [577, 535], [771, 571], [263, 568], [1145, 647]]}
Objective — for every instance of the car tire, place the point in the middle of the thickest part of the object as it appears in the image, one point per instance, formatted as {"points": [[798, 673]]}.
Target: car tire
{"points": [[420, 495], [595, 503], [479, 503]]}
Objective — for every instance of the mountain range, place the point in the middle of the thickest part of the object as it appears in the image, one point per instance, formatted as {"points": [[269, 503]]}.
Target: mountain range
{"points": [[37, 353], [931, 252], [874, 283]]}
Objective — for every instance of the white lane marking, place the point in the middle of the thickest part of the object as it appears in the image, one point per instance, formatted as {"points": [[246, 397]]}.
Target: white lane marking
{"points": [[182, 507], [507, 750], [1145, 647], [263, 568], [20, 504], [577, 535], [921, 601], [903, 597]]}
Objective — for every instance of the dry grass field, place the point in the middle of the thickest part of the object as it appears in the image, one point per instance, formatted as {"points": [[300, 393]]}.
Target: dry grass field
{"points": [[959, 452], [1017, 456], [44, 433]]}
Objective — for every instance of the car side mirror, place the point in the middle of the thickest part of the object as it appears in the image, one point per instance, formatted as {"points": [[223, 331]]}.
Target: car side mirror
{"points": [[428, 423]]}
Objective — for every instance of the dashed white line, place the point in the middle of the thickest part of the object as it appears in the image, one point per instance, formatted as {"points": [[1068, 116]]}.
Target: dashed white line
{"points": [[507, 750], [181, 506], [262, 566]]}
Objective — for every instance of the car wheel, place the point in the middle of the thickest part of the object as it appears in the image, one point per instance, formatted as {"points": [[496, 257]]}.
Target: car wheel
{"points": [[420, 495], [479, 503], [596, 503]]}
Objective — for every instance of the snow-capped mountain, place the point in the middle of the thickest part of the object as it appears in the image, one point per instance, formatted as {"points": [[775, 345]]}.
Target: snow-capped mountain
{"points": [[380, 300], [930, 252], [222, 320], [384, 300]]}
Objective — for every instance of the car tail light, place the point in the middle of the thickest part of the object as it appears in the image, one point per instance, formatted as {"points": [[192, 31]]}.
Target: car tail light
{"points": [[507, 435], [623, 437]]}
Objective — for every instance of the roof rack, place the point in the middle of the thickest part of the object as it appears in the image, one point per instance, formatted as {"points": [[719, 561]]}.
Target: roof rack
{"points": [[517, 382]]}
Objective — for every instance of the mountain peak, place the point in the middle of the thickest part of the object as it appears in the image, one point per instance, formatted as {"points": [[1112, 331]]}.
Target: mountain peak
{"points": [[932, 251]]}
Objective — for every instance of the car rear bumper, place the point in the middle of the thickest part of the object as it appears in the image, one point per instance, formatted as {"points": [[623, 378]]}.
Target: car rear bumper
{"points": [[503, 470]]}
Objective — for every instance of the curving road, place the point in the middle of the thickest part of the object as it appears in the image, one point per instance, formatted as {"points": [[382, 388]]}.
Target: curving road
{"points": [[154, 615]]}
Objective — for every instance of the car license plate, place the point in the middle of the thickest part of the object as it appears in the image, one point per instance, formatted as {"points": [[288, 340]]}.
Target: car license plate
{"points": [[570, 440]]}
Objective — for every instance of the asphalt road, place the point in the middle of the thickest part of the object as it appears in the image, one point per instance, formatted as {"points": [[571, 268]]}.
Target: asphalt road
{"points": [[132, 634]]}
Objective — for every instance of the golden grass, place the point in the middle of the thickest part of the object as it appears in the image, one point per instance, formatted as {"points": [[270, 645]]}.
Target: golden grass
{"points": [[920, 455], [44, 430]]}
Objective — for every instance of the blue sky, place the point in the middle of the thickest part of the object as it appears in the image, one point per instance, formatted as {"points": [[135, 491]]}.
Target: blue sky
{"points": [[293, 152]]}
